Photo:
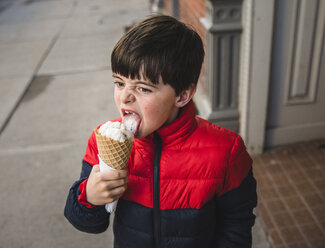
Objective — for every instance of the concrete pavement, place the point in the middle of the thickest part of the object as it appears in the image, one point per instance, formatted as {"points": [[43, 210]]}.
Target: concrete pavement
{"points": [[57, 50], [54, 78]]}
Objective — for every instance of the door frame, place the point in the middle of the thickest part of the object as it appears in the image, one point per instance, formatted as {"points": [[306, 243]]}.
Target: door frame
{"points": [[253, 112]]}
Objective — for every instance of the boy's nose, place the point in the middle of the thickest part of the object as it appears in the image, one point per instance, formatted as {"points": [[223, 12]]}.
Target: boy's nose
{"points": [[127, 96]]}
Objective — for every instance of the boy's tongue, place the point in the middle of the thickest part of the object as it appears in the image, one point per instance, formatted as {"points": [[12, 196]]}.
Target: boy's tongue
{"points": [[131, 122]]}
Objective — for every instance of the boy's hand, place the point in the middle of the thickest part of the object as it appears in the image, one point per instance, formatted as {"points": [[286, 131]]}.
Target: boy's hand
{"points": [[105, 186]]}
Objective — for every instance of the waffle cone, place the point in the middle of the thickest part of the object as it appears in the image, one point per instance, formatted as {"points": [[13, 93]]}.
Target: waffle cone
{"points": [[114, 153]]}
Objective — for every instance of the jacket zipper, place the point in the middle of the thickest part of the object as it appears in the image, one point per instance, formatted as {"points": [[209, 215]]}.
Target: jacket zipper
{"points": [[156, 205]]}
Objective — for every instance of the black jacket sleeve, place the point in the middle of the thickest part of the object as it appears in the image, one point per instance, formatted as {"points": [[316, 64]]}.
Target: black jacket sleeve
{"points": [[235, 216], [90, 220]]}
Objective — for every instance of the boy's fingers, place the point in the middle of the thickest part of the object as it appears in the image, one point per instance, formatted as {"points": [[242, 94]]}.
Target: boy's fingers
{"points": [[96, 168], [117, 192], [117, 183], [114, 174], [117, 197], [122, 173]]}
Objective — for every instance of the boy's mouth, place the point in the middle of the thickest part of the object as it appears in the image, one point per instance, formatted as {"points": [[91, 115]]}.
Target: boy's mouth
{"points": [[131, 119]]}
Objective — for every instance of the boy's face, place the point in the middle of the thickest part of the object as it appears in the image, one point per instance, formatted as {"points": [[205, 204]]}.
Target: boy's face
{"points": [[153, 104]]}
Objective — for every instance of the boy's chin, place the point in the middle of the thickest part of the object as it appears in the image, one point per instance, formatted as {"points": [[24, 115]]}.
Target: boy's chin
{"points": [[138, 135]]}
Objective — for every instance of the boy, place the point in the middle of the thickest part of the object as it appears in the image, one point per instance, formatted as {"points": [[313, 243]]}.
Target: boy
{"points": [[189, 182]]}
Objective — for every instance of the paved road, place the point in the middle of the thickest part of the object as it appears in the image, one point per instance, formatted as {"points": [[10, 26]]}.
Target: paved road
{"points": [[55, 87]]}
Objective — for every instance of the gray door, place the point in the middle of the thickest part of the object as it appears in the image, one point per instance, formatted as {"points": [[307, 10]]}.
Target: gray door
{"points": [[296, 108]]}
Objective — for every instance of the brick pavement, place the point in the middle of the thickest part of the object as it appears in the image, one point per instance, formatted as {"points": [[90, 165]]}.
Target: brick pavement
{"points": [[291, 190]]}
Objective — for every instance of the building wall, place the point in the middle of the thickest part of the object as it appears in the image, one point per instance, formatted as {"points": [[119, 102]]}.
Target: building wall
{"points": [[219, 23], [190, 12]]}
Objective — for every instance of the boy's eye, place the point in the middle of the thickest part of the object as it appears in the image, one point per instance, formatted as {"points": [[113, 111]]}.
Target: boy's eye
{"points": [[144, 90], [119, 84]]}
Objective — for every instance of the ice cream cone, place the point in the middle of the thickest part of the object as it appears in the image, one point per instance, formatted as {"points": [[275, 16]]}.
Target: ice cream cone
{"points": [[114, 153]]}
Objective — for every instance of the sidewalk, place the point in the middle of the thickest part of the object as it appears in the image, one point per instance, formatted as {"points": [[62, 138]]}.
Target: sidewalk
{"points": [[54, 78], [291, 189], [55, 75]]}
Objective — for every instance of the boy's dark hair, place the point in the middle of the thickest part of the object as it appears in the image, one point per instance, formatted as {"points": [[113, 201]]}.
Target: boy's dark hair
{"points": [[160, 46]]}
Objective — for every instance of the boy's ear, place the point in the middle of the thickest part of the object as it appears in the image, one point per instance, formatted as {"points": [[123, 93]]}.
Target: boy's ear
{"points": [[185, 96]]}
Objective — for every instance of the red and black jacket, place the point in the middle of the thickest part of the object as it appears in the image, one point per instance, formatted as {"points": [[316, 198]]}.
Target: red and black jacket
{"points": [[190, 185]]}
